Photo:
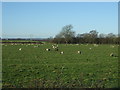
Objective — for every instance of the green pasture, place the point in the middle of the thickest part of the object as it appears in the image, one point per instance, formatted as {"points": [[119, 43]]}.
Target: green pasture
{"points": [[34, 67]]}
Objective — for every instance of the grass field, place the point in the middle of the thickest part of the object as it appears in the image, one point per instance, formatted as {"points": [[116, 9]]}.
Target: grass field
{"points": [[34, 67]]}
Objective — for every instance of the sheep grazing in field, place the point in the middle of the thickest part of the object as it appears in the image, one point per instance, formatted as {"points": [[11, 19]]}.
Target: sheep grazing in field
{"points": [[35, 46], [90, 48], [61, 52], [47, 49], [95, 45], [112, 46], [79, 52], [113, 55], [55, 47], [20, 49]]}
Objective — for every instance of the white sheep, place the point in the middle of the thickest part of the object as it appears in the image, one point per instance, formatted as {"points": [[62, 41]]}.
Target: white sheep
{"points": [[55, 47], [20, 49], [95, 45], [113, 46], [47, 49], [90, 48], [61, 52], [79, 52], [35, 46], [113, 55]]}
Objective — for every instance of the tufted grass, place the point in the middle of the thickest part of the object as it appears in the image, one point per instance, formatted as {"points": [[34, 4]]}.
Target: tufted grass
{"points": [[33, 67]]}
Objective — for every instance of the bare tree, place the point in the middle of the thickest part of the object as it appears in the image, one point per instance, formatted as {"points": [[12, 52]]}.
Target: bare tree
{"points": [[66, 33], [93, 36]]}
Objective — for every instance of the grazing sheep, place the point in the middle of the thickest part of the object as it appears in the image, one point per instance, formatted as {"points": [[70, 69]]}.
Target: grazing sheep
{"points": [[61, 52], [47, 49], [90, 48], [35, 46], [55, 47], [113, 46], [79, 52], [20, 49], [112, 54], [95, 45]]}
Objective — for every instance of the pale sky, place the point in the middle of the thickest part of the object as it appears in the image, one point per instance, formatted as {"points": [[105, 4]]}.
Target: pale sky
{"points": [[46, 19]]}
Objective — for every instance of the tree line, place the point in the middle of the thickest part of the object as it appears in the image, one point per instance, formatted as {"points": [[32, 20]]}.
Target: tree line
{"points": [[68, 36]]}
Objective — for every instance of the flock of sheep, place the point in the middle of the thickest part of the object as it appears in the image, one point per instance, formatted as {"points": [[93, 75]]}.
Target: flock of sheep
{"points": [[55, 48]]}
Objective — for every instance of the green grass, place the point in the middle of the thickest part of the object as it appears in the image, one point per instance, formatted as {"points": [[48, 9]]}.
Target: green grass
{"points": [[34, 67], [18, 41]]}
